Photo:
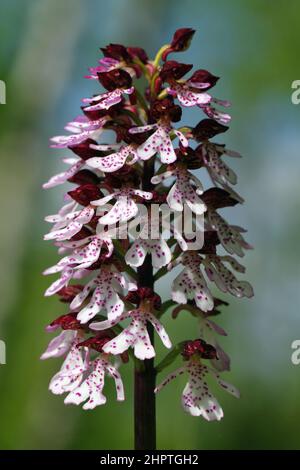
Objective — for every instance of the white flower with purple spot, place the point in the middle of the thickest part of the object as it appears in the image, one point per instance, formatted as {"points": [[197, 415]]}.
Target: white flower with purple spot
{"points": [[105, 287], [188, 95], [186, 190], [60, 178], [76, 221], [213, 113], [90, 390], [157, 248], [224, 279], [190, 283], [114, 161], [80, 259], [125, 208], [217, 169], [208, 330], [106, 64], [159, 142], [72, 370], [229, 235], [135, 335], [64, 216], [59, 345], [197, 399], [82, 129], [106, 100]]}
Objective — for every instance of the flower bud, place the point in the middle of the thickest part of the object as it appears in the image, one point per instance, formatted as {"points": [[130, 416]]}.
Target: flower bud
{"points": [[217, 198], [116, 78], [116, 51], [180, 42], [173, 70], [84, 151], [85, 193], [68, 293], [208, 128], [205, 78], [199, 347], [84, 177]]}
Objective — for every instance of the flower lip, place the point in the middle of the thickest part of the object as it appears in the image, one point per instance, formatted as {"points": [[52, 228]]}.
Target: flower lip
{"points": [[85, 193], [116, 78], [200, 348], [208, 128], [173, 70]]}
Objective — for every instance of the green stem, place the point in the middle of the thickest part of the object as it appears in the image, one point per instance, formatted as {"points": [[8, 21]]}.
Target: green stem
{"points": [[159, 54]]}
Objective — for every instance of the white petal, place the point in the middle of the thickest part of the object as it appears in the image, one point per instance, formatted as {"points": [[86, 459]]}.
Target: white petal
{"points": [[118, 382], [124, 209], [59, 345], [160, 330], [60, 283], [136, 254]]}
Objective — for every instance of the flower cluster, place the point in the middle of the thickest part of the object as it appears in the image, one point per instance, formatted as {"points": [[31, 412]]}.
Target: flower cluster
{"points": [[111, 307]]}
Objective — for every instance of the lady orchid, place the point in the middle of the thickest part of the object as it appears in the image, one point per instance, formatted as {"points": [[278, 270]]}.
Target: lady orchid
{"points": [[107, 282]]}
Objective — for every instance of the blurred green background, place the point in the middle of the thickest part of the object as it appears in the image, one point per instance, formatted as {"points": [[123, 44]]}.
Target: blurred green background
{"points": [[254, 46]]}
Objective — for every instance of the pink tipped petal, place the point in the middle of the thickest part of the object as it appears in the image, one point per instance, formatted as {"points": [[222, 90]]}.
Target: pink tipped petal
{"points": [[71, 373], [115, 375], [60, 283], [183, 140], [63, 177], [191, 284], [173, 375], [59, 345], [161, 177], [160, 330]]}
